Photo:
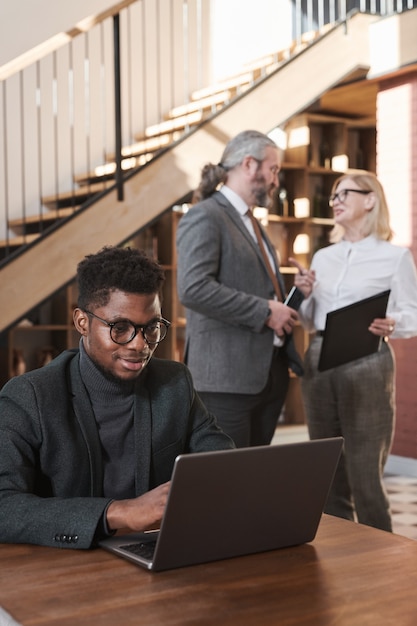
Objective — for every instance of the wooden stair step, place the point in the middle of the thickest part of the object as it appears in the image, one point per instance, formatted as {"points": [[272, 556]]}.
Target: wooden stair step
{"points": [[18, 240], [143, 147], [156, 137], [171, 127], [259, 67], [108, 170], [254, 70], [234, 83], [42, 218], [203, 102], [241, 82], [209, 102], [244, 80], [77, 196]]}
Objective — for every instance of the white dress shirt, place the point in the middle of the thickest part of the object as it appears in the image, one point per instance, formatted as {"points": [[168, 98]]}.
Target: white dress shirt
{"points": [[350, 271], [242, 208]]}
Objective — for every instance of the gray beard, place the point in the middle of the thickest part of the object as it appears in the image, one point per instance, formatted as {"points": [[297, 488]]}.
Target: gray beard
{"points": [[263, 199]]}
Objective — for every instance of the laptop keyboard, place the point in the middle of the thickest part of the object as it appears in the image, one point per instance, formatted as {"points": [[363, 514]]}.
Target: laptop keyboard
{"points": [[143, 549]]}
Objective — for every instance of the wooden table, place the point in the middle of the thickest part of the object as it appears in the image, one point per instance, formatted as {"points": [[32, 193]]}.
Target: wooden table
{"points": [[350, 575]]}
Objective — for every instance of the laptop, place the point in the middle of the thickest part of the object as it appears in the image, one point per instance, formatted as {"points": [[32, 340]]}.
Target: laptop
{"points": [[346, 335], [229, 503]]}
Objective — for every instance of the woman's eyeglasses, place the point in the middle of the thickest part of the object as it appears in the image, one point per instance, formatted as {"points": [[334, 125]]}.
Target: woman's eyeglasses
{"points": [[342, 195]]}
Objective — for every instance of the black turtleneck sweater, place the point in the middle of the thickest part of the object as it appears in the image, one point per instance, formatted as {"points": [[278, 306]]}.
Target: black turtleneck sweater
{"points": [[113, 409]]}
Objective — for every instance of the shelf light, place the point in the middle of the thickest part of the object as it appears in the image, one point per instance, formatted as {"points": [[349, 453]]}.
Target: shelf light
{"points": [[261, 214], [299, 137], [301, 207], [340, 163], [301, 244]]}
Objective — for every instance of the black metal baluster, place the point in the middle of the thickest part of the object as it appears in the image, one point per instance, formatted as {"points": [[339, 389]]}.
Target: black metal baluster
{"points": [[117, 109]]}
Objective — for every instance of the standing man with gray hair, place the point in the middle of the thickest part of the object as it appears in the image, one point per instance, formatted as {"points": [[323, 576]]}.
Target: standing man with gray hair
{"points": [[239, 343]]}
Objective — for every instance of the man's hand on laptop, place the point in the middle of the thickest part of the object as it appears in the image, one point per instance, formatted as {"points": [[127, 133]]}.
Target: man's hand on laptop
{"points": [[141, 513]]}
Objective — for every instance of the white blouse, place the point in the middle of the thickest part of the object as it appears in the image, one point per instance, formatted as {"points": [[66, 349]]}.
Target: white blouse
{"points": [[350, 271]]}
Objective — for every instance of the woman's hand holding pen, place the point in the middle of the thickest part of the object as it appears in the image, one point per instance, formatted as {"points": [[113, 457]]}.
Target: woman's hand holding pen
{"points": [[305, 278]]}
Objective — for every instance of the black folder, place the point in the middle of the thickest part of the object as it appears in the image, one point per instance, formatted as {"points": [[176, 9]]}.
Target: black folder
{"points": [[346, 335]]}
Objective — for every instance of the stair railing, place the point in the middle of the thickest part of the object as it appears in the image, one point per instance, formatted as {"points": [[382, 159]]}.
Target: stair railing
{"points": [[71, 111], [74, 110]]}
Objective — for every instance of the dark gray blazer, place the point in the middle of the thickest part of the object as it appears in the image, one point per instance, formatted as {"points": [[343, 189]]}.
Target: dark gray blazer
{"points": [[51, 469], [225, 287]]}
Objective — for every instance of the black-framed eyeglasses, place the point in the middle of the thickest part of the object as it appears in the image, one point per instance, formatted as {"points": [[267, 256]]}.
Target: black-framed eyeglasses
{"points": [[124, 331], [342, 194]]}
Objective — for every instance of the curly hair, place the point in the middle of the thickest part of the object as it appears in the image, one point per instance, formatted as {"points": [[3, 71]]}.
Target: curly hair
{"points": [[116, 269]]}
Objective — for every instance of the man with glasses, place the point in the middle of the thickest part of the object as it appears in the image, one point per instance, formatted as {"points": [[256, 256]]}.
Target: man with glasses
{"points": [[239, 344], [88, 442]]}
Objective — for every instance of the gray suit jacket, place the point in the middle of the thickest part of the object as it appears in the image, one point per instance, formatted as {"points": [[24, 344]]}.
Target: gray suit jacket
{"points": [[51, 468], [224, 284]]}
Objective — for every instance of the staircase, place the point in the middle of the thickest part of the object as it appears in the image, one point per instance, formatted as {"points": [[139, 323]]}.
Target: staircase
{"points": [[163, 166], [177, 122]]}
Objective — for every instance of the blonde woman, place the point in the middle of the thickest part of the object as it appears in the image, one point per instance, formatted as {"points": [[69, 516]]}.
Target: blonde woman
{"points": [[357, 400]]}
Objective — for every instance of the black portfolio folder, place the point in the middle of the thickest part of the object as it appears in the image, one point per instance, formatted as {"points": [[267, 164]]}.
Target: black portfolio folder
{"points": [[346, 335]]}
